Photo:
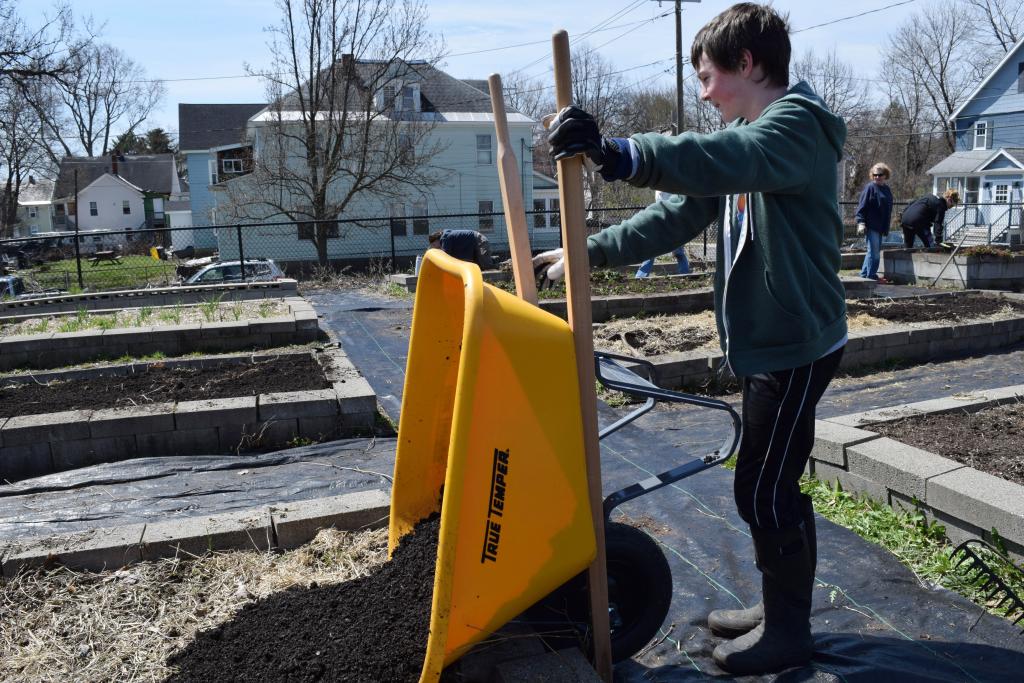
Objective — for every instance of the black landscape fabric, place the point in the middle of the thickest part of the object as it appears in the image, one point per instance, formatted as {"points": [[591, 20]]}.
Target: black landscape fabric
{"points": [[872, 619]]}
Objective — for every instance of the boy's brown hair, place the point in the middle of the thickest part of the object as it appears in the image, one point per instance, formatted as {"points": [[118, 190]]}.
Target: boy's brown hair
{"points": [[746, 26]]}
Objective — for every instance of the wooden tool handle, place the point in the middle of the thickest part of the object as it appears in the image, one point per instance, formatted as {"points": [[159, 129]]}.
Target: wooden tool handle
{"points": [[577, 285], [512, 199]]}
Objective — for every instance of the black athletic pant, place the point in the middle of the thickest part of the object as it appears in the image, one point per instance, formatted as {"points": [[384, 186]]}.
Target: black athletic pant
{"points": [[924, 234], [777, 437]]}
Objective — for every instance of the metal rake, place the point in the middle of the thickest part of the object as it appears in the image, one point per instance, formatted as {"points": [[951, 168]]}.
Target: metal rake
{"points": [[976, 567]]}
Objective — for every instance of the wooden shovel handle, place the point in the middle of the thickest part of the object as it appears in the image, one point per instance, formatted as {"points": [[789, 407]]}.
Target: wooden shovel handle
{"points": [[577, 285], [512, 198]]}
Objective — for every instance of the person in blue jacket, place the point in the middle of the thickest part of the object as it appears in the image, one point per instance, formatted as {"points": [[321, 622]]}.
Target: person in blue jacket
{"points": [[874, 213]]}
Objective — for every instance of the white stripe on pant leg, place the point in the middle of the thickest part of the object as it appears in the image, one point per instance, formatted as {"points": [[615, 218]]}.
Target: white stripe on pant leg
{"points": [[785, 454], [772, 439]]}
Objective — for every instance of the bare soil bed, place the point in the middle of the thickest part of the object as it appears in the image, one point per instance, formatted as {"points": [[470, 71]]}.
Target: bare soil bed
{"points": [[989, 440], [374, 628], [161, 383], [614, 283], [662, 334]]}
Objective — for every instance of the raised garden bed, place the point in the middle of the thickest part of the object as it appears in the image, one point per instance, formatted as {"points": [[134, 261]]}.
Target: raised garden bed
{"points": [[154, 296], [868, 452], [989, 440], [160, 332], [983, 267], [178, 407], [685, 347]]}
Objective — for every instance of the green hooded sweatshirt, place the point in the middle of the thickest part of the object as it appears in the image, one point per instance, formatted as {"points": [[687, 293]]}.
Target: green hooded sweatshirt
{"points": [[782, 304]]}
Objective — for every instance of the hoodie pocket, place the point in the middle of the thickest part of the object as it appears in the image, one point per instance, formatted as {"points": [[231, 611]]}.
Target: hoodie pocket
{"points": [[778, 300]]}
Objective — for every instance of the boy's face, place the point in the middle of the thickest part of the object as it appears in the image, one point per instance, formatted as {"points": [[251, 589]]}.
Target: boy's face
{"points": [[729, 91]]}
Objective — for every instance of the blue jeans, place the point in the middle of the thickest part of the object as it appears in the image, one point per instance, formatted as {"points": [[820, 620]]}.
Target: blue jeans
{"points": [[682, 264], [874, 255]]}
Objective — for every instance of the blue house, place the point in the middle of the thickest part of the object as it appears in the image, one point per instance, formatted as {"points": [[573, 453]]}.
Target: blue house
{"points": [[987, 167], [212, 141]]}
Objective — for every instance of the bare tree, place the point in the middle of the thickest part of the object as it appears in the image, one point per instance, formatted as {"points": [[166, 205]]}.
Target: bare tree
{"points": [[21, 153], [932, 51], [343, 123], [834, 81], [107, 94], [1000, 24], [45, 52]]}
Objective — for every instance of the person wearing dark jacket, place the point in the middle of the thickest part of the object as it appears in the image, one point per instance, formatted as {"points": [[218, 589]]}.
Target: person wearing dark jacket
{"points": [[874, 212], [768, 180], [929, 210], [465, 245]]}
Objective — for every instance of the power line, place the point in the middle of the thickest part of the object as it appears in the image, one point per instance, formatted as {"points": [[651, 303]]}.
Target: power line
{"points": [[854, 16]]}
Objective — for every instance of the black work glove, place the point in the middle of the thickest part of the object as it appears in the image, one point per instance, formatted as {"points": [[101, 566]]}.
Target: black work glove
{"points": [[573, 131]]}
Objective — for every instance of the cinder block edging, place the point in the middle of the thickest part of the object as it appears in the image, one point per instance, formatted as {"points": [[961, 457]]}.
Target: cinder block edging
{"points": [[970, 503]]}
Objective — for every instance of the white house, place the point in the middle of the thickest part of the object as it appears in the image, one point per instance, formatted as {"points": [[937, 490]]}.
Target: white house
{"points": [[465, 196], [34, 207], [987, 167], [118, 192]]}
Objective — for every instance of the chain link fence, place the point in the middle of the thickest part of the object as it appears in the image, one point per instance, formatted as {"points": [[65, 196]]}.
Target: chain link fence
{"points": [[130, 259]]}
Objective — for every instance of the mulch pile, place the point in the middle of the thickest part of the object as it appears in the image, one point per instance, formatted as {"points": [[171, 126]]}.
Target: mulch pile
{"points": [[928, 310], [989, 440], [370, 629], [163, 384]]}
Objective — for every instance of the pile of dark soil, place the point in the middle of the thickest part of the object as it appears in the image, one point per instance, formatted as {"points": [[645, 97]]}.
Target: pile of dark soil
{"points": [[989, 440], [931, 309], [162, 384], [654, 339], [371, 629]]}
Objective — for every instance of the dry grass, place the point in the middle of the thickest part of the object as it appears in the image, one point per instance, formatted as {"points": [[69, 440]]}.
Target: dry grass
{"points": [[61, 625]]}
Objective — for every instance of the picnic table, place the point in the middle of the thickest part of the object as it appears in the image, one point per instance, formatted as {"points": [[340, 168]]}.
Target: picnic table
{"points": [[105, 256]]}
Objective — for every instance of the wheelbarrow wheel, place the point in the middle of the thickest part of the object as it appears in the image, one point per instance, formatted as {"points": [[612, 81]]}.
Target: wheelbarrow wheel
{"points": [[639, 593]]}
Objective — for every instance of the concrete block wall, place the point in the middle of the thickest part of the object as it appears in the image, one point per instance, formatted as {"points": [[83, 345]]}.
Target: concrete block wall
{"points": [[33, 445], [156, 296], [970, 503], [280, 526], [56, 349]]}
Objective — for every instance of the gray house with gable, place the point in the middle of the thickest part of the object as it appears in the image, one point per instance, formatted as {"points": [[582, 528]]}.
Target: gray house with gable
{"points": [[987, 167]]}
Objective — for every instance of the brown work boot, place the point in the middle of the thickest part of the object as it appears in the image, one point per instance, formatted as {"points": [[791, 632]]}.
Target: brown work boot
{"points": [[783, 638], [731, 623]]}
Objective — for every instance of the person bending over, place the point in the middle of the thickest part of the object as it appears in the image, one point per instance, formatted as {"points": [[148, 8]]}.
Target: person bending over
{"points": [[465, 245]]}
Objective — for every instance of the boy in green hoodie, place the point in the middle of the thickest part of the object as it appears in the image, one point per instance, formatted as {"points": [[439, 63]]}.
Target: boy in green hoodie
{"points": [[769, 178]]}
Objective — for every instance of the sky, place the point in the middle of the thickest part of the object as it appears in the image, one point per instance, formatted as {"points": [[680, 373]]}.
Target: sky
{"points": [[201, 47]]}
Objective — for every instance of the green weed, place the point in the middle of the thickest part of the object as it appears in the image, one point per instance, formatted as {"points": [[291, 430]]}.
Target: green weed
{"points": [[144, 314], [210, 308]]}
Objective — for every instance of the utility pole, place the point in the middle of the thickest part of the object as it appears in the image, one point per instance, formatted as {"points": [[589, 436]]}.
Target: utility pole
{"points": [[680, 116]]}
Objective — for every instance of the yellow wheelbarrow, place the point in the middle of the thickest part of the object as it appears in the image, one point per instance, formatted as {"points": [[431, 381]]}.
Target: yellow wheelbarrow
{"points": [[490, 436]]}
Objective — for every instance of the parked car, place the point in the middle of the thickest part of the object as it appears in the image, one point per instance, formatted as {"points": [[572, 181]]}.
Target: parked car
{"points": [[256, 270], [13, 287]]}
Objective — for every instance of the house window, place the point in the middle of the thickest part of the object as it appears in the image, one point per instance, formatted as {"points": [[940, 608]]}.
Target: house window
{"points": [[483, 150], [93, 209], [540, 217], [981, 135], [388, 97], [398, 227], [556, 218], [126, 208], [307, 229], [1001, 194], [486, 208], [231, 165], [32, 212], [213, 171], [406, 148], [409, 99], [973, 186], [420, 220], [33, 229]]}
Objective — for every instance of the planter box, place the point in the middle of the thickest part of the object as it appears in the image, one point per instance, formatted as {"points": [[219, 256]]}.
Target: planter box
{"points": [[34, 445], [981, 271], [968, 502], [56, 349]]}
